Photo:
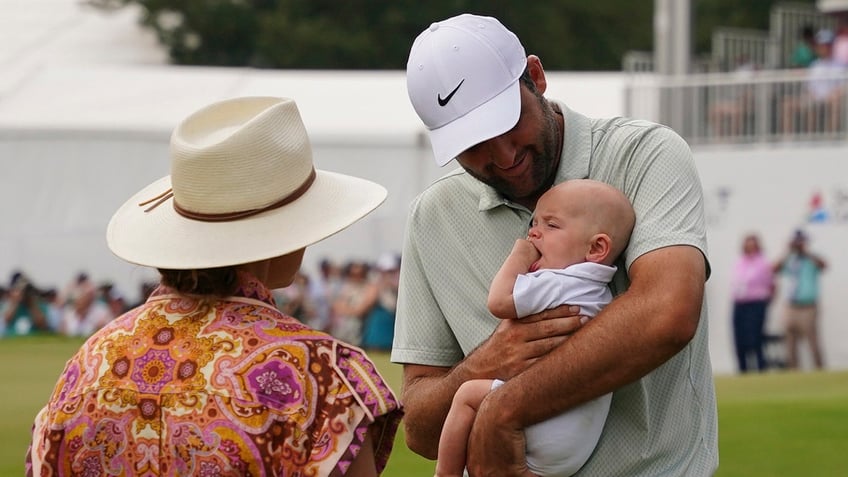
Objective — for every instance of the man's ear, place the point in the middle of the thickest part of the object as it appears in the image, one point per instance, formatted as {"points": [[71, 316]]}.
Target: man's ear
{"points": [[599, 248], [537, 73]]}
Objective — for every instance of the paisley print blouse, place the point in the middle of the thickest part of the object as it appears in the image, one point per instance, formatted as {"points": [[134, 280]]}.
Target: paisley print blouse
{"points": [[231, 387]]}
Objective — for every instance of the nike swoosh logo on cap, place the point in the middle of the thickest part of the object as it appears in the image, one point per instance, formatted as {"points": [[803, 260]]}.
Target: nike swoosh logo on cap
{"points": [[443, 102]]}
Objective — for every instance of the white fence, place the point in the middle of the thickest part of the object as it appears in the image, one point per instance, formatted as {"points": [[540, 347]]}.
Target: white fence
{"points": [[735, 47], [745, 107]]}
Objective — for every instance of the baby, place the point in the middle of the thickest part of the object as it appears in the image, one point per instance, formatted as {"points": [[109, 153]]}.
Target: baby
{"points": [[579, 229]]}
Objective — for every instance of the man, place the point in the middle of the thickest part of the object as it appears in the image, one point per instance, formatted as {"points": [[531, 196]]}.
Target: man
{"points": [[481, 98], [803, 270]]}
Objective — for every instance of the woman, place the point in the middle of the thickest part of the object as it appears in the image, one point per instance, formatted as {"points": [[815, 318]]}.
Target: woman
{"points": [[356, 298], [379, 326], [753, 287], [207, 377]]}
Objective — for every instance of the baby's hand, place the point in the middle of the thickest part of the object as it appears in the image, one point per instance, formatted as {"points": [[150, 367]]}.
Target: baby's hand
{"points": [[525, 251]]}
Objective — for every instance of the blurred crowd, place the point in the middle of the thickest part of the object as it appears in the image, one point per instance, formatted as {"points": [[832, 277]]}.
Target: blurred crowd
{"points": [[79, 309], [824, 54], [354, 301]]}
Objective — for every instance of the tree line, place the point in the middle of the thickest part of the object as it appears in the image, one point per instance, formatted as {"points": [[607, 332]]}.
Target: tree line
{"points": [[569, 35]]}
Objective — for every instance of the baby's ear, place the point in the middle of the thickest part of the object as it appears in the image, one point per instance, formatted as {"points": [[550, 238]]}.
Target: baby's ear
{"points": [[599, 248]]}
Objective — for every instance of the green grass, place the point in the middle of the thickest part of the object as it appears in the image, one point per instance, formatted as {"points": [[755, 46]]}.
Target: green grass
{"points": [[771, 425], [783, 424]]}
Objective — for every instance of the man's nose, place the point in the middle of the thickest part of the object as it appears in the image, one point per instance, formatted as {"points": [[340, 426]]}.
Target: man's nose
{"points": [[501, 151]]}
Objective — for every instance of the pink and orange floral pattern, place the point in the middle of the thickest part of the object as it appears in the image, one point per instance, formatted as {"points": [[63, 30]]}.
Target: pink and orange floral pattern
{"points": [[185, 387]]}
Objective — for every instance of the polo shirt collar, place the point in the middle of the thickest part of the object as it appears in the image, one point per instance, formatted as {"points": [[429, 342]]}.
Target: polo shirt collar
{"points": [[576, 146], [489, 197]]}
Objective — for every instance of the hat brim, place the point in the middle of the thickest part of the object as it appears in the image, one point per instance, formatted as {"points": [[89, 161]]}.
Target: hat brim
{"points": [[492, 118], [162, 238]]}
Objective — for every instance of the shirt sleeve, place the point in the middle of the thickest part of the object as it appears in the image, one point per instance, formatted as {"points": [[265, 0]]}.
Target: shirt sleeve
{"points": [[422, 333], [377, 409], [533, 293], [544, 289], [665, 190]]}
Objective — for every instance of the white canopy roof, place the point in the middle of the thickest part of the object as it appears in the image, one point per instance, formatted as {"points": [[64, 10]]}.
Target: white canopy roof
{"points": [[70, 67], [832, 5]]}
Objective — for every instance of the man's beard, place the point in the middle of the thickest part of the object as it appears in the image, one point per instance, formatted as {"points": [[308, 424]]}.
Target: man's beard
{"points": [[544, 162]]}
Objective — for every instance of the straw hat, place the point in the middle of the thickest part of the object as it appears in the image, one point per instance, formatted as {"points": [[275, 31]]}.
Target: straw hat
{"points": [[242, 188]]}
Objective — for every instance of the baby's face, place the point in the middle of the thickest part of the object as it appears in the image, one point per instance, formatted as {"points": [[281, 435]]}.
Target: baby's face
{"points": [[560, 231]]}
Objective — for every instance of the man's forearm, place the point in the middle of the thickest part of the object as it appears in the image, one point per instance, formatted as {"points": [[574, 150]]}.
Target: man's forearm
{"points": [[636, 333], [427, 395], [509, 350]]}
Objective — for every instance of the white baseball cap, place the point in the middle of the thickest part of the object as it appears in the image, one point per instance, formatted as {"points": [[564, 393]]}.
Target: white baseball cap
{"points": [[462, 78]]}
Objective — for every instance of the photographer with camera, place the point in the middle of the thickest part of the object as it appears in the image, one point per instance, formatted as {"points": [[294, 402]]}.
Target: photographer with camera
{"points": [[802, 270], [24, 311]]}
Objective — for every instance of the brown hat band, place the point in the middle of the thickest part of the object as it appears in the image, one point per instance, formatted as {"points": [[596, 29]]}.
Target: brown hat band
{"points": [[159, 199]]}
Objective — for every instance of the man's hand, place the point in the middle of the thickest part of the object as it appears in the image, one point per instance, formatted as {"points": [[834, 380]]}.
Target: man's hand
{"points": [[516, 344], [495, 448], [512, 348]]}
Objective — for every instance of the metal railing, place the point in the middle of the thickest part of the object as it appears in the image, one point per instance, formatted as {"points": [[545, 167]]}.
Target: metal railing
{"points": [[736, 47], [733, 47], [638, 61], [750, 107]]}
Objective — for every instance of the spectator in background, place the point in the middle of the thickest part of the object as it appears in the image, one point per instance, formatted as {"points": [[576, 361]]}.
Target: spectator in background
{"points": [[731, 109], [802, 270], [825, 89], [4, 297], [323, 291], [24, 310], [114, 299], [840, 42], [294, 299], [379, 326], [54, 309], [752, 285], [85, 313], [818, 107], [80, 285], [357, 296], [804, 52]]}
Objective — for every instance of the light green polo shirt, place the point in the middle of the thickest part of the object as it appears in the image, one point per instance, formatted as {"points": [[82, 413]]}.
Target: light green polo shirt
{"points": [[459, 231]]}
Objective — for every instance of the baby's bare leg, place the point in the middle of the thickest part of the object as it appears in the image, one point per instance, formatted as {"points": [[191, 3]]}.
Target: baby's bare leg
{"points": [[453, 442]]}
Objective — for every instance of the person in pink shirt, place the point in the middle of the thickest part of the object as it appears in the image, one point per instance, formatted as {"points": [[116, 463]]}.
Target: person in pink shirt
{"points": [[840, 42], [753, 287]]}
